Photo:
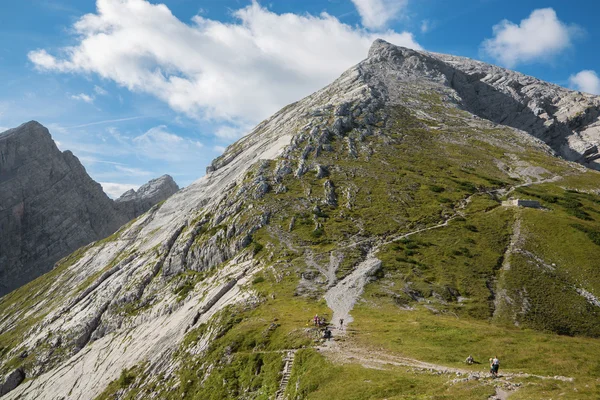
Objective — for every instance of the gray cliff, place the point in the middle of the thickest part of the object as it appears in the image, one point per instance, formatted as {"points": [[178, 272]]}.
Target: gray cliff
{"points": [[132, 203], [49, 205]]}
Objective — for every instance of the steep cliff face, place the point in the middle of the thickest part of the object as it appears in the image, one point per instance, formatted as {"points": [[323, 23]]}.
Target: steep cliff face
{"points": [[49, 205], [566, 120], [134, 203], [376, 200]]}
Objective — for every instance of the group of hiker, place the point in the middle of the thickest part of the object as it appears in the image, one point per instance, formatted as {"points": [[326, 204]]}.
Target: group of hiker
{"points": [[494, 364], [320, 322]]}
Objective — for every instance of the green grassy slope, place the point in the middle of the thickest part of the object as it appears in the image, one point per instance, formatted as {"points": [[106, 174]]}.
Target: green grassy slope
{"points": [[435, 297], [440, 295]]}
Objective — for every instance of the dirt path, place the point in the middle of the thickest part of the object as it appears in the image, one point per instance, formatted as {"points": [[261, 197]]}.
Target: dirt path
{"points": [[346, 352], [499, 292]]}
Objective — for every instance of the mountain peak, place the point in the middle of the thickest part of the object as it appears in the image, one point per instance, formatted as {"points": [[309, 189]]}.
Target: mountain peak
{"points": [[382, 47], [133, 203], [30, 129]]}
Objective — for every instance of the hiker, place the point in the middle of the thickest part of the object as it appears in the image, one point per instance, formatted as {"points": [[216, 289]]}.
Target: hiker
{"points": [[341, 323], [469, 360], [494, 366], [316, 319], [327, 334]]}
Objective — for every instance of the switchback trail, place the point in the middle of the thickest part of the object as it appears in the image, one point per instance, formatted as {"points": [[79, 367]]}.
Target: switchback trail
{"points": [[342, 297]]}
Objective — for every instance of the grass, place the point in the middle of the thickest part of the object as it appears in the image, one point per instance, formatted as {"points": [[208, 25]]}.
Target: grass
{"points": [[313, 377], [447, 340]]}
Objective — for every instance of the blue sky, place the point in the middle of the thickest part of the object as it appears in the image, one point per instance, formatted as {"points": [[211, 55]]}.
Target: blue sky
{"points": [[140, 88]]}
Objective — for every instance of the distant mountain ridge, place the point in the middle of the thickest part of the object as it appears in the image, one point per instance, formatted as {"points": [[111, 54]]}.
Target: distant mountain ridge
{"points": [[49, 206]]}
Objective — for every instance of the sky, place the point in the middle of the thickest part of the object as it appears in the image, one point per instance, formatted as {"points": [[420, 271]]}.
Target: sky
{"points": [[137, 89]]}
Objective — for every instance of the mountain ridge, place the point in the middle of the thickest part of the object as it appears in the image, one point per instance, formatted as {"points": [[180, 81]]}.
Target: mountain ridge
{"points": [[50, 205], [379, 182]]}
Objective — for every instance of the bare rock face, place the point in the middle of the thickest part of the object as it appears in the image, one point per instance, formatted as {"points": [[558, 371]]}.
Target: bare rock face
{"points": [[13, 380], [566, 120], [133, 204], [49, 205]]}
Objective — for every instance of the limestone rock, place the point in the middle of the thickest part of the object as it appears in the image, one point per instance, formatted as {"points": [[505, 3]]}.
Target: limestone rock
{"points": [[566, 120], [13, 380], [330, 196], [133, 204], [49, 205]]}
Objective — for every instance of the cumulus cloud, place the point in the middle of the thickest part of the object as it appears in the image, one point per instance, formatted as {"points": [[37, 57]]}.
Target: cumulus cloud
{"points": [[239, 72], [83, 97], [115, 190], [376, 14], [586, 81], [540, 37]]}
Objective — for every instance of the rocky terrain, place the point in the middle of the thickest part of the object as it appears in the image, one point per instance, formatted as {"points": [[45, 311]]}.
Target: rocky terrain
{"points": [[134, 203], [49, 206], [377, 200]]}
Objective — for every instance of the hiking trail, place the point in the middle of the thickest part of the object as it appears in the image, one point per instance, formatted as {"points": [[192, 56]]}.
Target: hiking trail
{"points": [[287, 372]]}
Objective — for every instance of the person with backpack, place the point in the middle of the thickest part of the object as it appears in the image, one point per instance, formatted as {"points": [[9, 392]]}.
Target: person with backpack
{"points": [[494, 366]]}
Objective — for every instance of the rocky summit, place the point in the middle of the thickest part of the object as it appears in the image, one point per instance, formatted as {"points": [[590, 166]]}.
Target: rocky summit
{"points": [[134, 203], [49, 205], [425, 208]]}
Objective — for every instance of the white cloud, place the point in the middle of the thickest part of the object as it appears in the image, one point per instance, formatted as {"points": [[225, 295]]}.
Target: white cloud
{"points": [[240, 72], [89, 160], [83, 97], [159, 144], [100, 91], [232, 132], [586, 81], [219, 149], [426, 26], [540, 37], [376, 14], [109, 121], [3, 129], [115, 190], [131, 171]]}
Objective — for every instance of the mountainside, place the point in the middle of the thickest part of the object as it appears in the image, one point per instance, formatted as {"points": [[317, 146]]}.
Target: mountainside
{"points": [[49, 206], [377, 200], [133, 204]]}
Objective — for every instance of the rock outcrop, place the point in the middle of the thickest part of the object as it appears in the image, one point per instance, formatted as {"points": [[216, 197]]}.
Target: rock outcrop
{"points": [[49, 205], [568, 121], [134, 203]]}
